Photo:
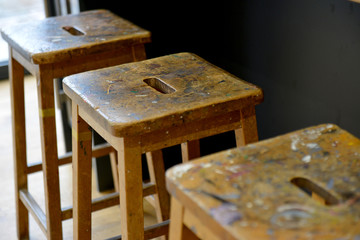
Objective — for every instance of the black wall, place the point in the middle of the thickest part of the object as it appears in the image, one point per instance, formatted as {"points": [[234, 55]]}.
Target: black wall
{"points": [[305, 54]]}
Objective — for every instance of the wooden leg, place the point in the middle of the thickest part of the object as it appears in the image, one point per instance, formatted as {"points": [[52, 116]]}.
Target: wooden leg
{"points": [[114, 164], [49, 152], [16, 72], [157, 175], [176, 220], [131, 191], [178, 230], [82, 153], [190, 150], [138, 52], [248, 131]]}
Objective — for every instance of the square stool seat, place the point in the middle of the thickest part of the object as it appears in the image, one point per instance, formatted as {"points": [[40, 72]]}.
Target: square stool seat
{"points": [[158, 94], [302, 185], [63, 38], [144, 107]]}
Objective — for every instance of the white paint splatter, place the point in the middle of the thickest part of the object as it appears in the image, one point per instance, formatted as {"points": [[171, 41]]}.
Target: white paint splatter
{"points": [[306, 159], [312, 145], [206, 165], [179, 170], [295, 141]]}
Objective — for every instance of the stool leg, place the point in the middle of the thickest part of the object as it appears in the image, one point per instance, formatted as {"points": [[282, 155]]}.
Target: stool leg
{"points": [[138, 52], [49, 152], [114, 164], [16, 72], [82, 148], [157, 175], [190, 150], [131, 190], [178, 230], [176, 220], [248, 131]]}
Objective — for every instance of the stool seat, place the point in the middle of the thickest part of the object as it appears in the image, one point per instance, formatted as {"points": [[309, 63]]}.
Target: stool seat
{"points": [[261, 191], [58, 39], [159, 93]]}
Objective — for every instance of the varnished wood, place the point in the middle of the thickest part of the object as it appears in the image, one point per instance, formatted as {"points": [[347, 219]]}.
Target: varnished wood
{"points": [[49, 153], [177, 229], [16, 75], [264, 190], [97, 151], [81, 139], [157, 176], [190, 150], [175, 135], [49, 49], [152, 231], [114, 170], [34, 209], [177, 216], [248, 131], [130, 181], [191, 221], [46, 42], [193, 100], [106, 201], [158, 229], [106, 223], [152, 104]]}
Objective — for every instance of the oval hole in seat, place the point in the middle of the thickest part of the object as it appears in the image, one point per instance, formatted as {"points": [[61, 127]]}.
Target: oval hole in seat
{"points": [[73, 31], [159, 85], [315, 191]]}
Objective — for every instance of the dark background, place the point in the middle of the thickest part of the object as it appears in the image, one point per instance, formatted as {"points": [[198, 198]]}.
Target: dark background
{"points": [[304, 54]]}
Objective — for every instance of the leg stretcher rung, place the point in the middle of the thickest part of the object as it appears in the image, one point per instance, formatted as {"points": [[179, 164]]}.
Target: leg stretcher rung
{"points": [[98, 151]]}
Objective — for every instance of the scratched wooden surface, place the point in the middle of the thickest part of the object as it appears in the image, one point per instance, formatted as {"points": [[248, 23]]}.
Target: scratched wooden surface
{"points": [[124, 104], [249, 192], [48, 41]]}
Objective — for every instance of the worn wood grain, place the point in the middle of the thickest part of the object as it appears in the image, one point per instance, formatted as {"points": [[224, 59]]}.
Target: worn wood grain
{"points": [[156, 168], [266, 190], [248, 131], [202, 91], [49, 153], [190, 150], [81, 140], [54, 48], [48, 40], [131, 193], [19, 143], [151, 104]]}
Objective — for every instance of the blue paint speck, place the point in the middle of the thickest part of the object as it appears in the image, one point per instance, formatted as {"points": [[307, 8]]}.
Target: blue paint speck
{"points": [[330, 183]]}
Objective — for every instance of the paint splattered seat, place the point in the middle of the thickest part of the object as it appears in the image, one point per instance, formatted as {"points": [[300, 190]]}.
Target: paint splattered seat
{"points": [[145, 107], [302, 185]]}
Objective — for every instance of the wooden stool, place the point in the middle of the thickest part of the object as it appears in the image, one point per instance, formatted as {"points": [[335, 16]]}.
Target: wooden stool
{"points": [[54, 48], [303, 185], [144, 107]]}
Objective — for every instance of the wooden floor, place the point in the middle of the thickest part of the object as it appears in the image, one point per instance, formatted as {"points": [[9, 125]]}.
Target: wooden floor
{"points": [[106, 223]]}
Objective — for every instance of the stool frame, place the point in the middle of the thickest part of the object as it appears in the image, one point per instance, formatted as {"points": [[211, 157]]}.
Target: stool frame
{"points": [[130, 141], [46, 67]]}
